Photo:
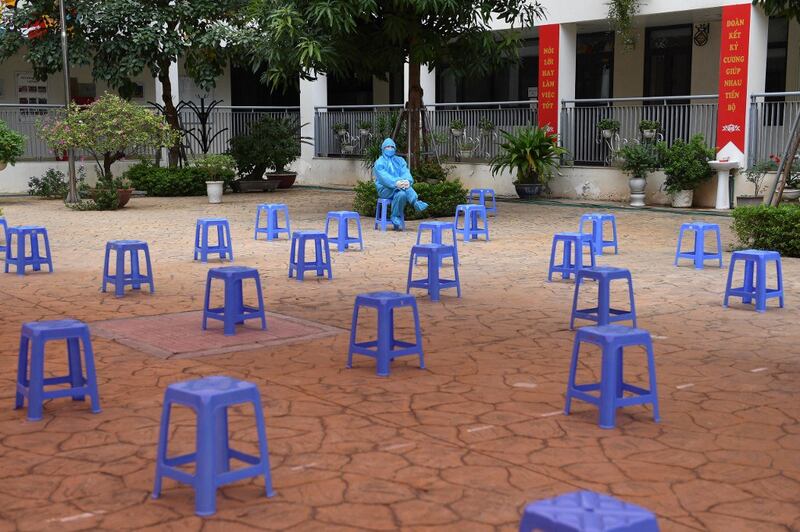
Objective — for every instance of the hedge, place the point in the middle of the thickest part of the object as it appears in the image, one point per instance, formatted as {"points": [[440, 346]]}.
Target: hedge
{"points": [[442, 199], [772, 228], [157, 181]]}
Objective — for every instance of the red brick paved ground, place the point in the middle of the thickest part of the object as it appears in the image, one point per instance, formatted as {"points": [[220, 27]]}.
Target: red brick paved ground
{"points": [[462, 445]]}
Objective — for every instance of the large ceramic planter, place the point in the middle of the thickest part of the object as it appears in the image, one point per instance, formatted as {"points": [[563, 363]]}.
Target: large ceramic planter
{"points": [[636, 185], [682, 199], [649, 133], [465, 154], [789, 194], [286, 178], [124, 195], [607, 133], [749, 201], [528, 190], [256, 185], [214, 191], [457, 132]]}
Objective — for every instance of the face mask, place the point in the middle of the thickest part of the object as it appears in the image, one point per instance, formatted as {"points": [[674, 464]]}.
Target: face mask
{"points": [[389, 152]]}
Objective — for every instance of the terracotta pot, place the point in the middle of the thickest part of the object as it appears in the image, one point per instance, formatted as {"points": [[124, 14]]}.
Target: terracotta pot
{"points": [[286, 178], [124, 195], [2, 165]]}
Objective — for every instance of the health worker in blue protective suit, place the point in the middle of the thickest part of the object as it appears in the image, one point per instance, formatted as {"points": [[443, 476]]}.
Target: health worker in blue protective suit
{"points": [[394, 181]]}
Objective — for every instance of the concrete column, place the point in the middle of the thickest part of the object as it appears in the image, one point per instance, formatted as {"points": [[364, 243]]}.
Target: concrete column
{"points": [[757, 63], [313, 93]]}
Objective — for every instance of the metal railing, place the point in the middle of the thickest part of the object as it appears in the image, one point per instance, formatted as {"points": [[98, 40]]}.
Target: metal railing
{"points": [[771, 118], [681, 117], [332, 140], [222, 124]]}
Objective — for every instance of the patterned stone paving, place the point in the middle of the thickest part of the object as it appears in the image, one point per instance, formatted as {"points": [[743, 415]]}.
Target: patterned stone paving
{"points": [[462, 445]]}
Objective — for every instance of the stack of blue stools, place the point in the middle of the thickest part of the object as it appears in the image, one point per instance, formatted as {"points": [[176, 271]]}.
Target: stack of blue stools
{"points": [[272, 228], [585, 511], [31, 355], [343, 238], [603, 314], [386, 348], [383, 211], [437, 230], [572, 260], [433, 283], [473, 215], [755, 278], [210, 398], [612, 339], [598, 221], [233, 311], [484, 195], [120, 279], [18, 240], [202, 247], [698, 253], [322, 254]]}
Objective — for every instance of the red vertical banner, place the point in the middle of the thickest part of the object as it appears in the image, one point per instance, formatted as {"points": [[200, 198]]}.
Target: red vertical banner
{"points": [[733, 59], [548, 76]]}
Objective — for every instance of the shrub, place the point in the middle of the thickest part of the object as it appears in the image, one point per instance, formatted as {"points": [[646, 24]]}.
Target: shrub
{"points": [[638, 160], [686, 163], [645, 125], [157, 181], [12, 144], [270, 143], [54, 184], [772, 228], [532, 153], [429, 171], [608, 124], [217, 168], [442, 199]]}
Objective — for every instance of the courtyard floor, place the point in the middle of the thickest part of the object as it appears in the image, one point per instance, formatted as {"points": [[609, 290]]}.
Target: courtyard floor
{"points": [[462, 445]]}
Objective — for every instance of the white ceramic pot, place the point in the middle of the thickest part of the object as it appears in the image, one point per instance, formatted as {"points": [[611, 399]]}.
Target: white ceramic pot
{"points": [[457, 132], [607, 133], [214, 190], [789, 194], [347, 149], [466, 154], [649, 133], [683, 198], [363, 132], [637, 185]]}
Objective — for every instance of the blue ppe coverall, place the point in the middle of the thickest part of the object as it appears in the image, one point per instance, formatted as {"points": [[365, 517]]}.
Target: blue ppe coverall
{"points": [[389, 170]]}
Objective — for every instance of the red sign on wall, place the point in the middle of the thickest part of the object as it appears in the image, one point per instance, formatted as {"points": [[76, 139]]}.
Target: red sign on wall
{"points": [[733, 58], [548, 76]]}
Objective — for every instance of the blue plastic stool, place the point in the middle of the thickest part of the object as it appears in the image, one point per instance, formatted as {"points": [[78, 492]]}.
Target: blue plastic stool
{"points": [[272, 228], [382, 210], [603, 314], [699, 254], [4, 245], [233, 311], [755, 278], [36, 334], [612, 339], [433, 283], [437, 230], [343, 239], [27, 235], [572, 261], [386, 348], [224, 247], [210, 398], [598, 221], [482, 195], [586, 511], [472, 215], [322, 254], [120, 279]]}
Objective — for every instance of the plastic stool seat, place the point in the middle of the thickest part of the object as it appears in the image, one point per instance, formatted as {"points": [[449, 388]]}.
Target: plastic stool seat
{"points": [[16, 253], [437, 230], [603, 314], [572, 256], [386, 347], [755, 278], [472, 214], [343, 239], [120, 279], [33, 338], [598, 221], [202, 247], [322, 254], [233, 311], [586, 511], [612, 339], [433, 283], [699, 254], [382, 209], [482, 195], [272, 228], [210, 398]]}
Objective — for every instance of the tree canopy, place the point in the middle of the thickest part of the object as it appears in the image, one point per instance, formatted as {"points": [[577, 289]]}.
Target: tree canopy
{"points": [[780, 8]]}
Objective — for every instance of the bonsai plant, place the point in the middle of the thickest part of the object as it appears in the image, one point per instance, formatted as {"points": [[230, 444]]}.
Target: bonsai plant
{"points": [[686, 166], [486, 126], [649, 128], [756, 175], [220, 171], [466, 148], [607, 127], [109, 129], [272, 142], [533, 154], [341, 128], [12, 146], [364, 127], [637, 160], [457, 128]]}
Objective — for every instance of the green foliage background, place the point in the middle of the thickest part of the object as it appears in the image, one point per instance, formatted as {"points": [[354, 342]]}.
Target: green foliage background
{"points": [[771, 228], [442, 199]]}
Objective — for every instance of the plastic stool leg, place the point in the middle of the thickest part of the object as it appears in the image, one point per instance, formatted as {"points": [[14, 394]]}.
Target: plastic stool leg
{"points": [[457, 279], [779, 273], [204, 244], [608, 387], [651, 370], [719, 247], [20, 254], [678, 249], [149, 269], [205, 492], [603, 303], [35, 257], [699, 249], [328, 263], [553, 249], [319, 261], [91, 374], [196, 239], [411, 261], [573, 368], [418, 335], [748, 281], [360, 235], [36, 386], [729, 282], [135, 275], [578, 279], [161, 450], [105, 267], [75, 366], [230, 312], [384, 341], [632, 302], [353, 332], [262, 445], [597, 235], [228, 241], [222, 457], [206, 302], [292, 257], [433, 278], [614, 235], [258, 215], [260, 296], [119, 275], [22, 372], [761, 286], [301, 259]]}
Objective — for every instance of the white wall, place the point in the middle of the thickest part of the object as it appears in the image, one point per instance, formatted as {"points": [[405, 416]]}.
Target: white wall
{"points": [[14, 179]]}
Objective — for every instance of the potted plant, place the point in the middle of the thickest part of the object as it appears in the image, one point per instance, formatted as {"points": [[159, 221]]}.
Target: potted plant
{"points": [[649, 128], [637, 160], [533, 154], [364, 127], [220, 170], [791, 189], [486, 126], [466, 148], [457, 128], [12, 146], [109, 129], [686, 167], [756, 175], [341, 128], [272, 142], [607, 127], [347, 148]]}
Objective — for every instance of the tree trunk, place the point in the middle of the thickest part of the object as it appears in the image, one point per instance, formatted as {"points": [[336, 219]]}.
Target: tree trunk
{"points": [[170, 112], [787, 170], [414, 106], [107, 162]]}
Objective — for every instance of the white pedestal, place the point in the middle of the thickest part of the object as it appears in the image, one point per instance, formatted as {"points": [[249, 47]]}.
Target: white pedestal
{"points": [[723, 190]]}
